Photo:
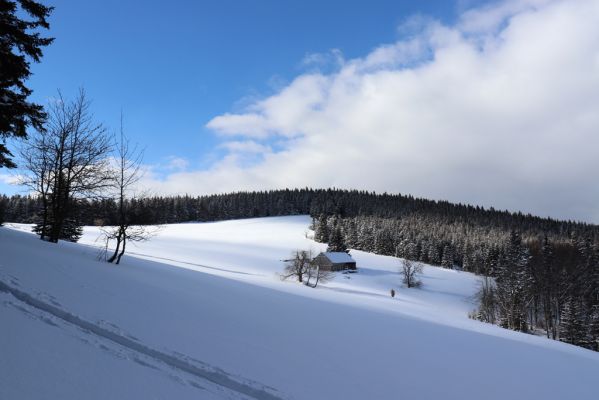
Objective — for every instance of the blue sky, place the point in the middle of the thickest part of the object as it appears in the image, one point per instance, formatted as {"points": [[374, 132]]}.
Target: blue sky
{"points": [[483, 102], [172, 69]]}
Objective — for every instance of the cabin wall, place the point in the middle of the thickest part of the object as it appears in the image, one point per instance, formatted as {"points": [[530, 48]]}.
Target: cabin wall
{"points": [[343, 266]]}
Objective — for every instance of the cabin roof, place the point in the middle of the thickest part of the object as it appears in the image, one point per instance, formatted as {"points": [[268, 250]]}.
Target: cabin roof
{"points": [[338, 257]]}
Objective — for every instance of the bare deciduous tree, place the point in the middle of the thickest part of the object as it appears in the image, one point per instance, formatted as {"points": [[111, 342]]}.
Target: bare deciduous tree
{"points": [[409, 269], [318, 275], [486, 297], [298, 265], [66, 161], [36, 160], [127, 173]]}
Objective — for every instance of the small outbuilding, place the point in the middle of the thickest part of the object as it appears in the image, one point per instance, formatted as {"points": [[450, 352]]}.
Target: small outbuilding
{"points": [[335, 261]]}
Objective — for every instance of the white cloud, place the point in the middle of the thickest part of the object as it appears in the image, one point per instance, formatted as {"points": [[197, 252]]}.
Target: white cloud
{"points": [[251, 124], [500, 109], [489, 18], [177, 163], [9, 179], [281, 114], [246, 146], [334, 58]]}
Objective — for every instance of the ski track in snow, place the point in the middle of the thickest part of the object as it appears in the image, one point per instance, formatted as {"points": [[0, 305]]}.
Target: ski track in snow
{"points": [[179, 361], [193, 264], [152, 257]]}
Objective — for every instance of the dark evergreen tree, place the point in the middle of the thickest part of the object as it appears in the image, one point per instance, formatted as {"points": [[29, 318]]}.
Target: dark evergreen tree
{"points": [[433, 253], [71, 230], [572, 329], [42, 227], [19, 43], [3, 202], [592, 338], [321, 231], [547, 282], [383, 242], [448, 257], [336, 242], [512, 284]]}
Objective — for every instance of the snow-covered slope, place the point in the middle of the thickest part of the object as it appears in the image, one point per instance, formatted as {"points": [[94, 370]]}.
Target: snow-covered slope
{"points": [[199, 312]]}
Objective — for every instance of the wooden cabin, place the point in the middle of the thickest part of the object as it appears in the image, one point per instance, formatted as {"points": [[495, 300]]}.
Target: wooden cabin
{"points": [[335, 261]]}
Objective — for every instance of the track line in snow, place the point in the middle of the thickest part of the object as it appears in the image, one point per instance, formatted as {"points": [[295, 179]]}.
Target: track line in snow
{"points": [[131, 253], [194, 264], [206, 372]]}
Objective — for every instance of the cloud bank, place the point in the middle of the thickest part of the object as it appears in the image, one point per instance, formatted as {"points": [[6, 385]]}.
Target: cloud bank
{"points": [[500, 109]]}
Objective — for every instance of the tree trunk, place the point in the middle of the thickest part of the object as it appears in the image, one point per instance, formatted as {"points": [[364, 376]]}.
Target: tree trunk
{"points": [[116, 250], [45, 219], [118, 260]]}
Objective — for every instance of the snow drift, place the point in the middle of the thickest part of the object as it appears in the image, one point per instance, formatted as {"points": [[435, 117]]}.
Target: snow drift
{"points": [[199, 312]]}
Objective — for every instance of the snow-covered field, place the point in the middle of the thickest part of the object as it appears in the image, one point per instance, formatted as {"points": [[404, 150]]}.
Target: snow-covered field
{"points": [[198, 312]]}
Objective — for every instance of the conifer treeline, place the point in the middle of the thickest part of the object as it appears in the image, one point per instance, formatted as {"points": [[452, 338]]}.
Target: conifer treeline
{"points": [[548, 281], [546, 271], [341, 203]]}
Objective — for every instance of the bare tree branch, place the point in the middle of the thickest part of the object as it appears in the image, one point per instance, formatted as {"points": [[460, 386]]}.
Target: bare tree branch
{"points": [[66, 161], [127, 173], [409, 269]]}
